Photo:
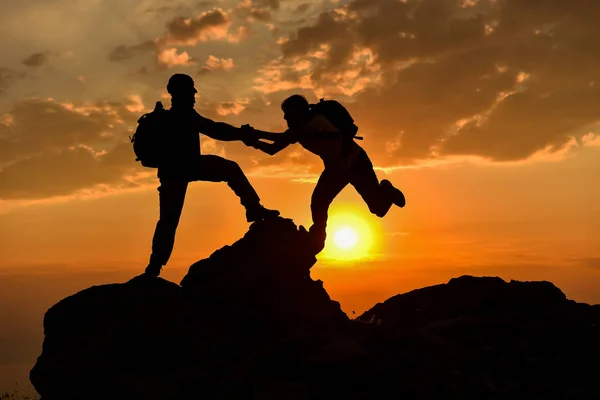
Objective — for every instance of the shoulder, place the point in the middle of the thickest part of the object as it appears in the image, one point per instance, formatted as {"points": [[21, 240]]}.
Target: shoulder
{"points": [[201, 117], [321, 124]]}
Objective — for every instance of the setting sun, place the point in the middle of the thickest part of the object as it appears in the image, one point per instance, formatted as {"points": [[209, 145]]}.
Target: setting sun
{"points": [[345, 237], [349, 237]]}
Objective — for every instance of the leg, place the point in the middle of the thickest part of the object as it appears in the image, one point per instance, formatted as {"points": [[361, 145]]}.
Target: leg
{"points": [[330, 184], [213, 168], [367, 185], [171, 199]]}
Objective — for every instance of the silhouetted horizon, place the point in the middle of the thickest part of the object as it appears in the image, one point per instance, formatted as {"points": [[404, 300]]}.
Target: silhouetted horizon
{"points": [[264, 166]]}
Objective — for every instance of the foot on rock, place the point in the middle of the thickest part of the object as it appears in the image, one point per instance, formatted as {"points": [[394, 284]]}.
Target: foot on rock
{"points": [[153, 270]]}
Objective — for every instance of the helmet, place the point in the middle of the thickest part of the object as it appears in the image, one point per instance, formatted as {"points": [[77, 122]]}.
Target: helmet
{"points": [[180, 83]]}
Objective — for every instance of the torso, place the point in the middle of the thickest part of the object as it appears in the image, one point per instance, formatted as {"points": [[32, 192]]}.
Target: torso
{"points": [[329, 149], [182, 142]]}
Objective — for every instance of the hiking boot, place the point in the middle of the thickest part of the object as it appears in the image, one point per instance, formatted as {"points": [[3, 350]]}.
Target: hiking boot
{"points": [[258, 212], [393, 193], [153, 270]]}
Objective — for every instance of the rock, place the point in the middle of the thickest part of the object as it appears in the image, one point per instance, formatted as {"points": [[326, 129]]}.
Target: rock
{"points": [[485, 338], [250, 323], [268, 271], [153, 339], [131, 338]]}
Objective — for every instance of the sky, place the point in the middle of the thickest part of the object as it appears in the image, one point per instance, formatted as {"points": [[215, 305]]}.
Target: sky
{"points": [[485, 113]]}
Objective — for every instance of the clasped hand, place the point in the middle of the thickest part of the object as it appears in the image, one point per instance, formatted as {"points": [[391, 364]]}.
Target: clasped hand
{"points": [[249, 135]]}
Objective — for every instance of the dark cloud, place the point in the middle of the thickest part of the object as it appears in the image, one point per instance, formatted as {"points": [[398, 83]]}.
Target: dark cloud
{"points": [[261, 14], [52, 148], [8, 77], [326, 30], [186, 30], [161, 9], [303, 7], [61, 173], [498, 79], [272, 4], [180, 31], [123, 52], [37, 125], [36, 60], [205, 4], [181, 8]]}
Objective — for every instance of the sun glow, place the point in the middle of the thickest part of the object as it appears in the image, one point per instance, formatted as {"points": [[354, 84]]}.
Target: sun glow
{"points": [[349, 237], [345, 238]]}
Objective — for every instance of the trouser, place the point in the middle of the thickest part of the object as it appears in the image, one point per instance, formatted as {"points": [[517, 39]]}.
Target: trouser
{"points": [[360, 175], [172, 192]]}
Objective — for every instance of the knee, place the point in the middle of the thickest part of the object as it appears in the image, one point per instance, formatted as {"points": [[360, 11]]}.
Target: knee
{"points": [[232, 167]]}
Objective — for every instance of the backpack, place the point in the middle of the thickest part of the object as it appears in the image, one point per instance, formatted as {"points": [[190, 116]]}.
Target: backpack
{"points": [[338, 116], [147, 139]]}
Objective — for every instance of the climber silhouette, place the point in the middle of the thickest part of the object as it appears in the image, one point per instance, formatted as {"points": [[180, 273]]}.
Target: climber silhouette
{"points": [[181, 163], [345, 163]]}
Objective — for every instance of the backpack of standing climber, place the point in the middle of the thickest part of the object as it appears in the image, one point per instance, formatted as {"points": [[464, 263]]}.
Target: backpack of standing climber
{"points": [[147, 139]]}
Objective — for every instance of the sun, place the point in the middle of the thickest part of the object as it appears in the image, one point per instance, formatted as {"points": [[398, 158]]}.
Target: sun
{"points": [[349, 237], [345, 238]]}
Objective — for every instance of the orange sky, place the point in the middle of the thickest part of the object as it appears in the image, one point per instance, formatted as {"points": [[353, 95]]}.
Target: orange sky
{"points": [[485, 113]]}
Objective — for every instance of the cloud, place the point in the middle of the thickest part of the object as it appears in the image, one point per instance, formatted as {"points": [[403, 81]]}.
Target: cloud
{"points": [[123, 52], [311, 73], [170, 58], [241, 33], [209, 25], [182, 31], [271, 4], [303, 7], [48, 147], [217, 64], [261, 14], [35, 60], [502, 80], [58, 173], [277, 76], [40, 124], [7, 77], [232, 107]]}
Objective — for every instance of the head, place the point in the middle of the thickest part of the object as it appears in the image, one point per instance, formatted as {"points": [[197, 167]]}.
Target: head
{"points": [[295, 110], [182, 90]]}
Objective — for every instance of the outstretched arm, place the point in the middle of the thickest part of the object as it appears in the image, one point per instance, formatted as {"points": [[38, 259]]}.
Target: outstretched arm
{"points": [[272, 148], [270, 135], [218, 130]]}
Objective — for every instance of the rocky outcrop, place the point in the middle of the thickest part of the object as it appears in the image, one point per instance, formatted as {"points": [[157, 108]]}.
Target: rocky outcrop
{"points": [[485, 338], [249, 319], [249, 323]]}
